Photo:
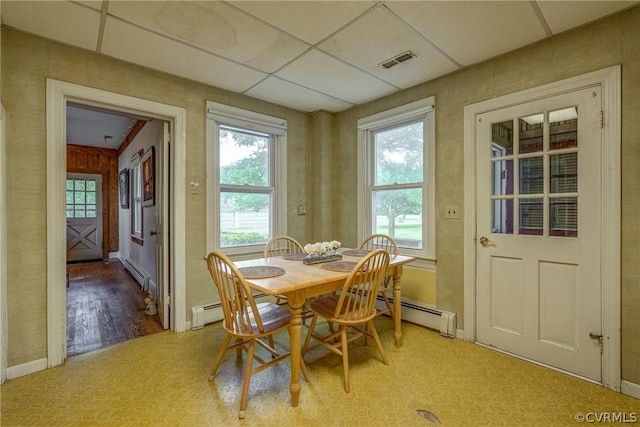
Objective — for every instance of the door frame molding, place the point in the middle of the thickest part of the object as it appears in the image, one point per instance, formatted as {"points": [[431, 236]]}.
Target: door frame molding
{"points": [[609, 79], [57, 96]]}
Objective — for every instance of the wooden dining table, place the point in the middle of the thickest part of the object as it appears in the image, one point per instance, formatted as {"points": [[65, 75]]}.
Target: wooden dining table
{"points": [[300, 282]]}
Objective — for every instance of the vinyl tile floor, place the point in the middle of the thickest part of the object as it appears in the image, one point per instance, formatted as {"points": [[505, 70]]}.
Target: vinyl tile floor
{"points": [[162, 380]]}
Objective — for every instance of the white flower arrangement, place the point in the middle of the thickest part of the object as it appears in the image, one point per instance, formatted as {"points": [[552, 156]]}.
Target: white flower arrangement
{"points": [[321, 248]]}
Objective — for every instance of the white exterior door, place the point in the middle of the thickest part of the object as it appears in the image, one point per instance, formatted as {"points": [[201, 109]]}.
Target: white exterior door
{"points": [[539, 207], [84, 216], [162, 230]]}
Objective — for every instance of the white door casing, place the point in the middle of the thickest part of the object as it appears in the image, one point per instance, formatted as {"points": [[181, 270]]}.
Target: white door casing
{"points": [[609, 81], [538, 285], [58, 94], [3, 251], [162, 231], [84, 233]]}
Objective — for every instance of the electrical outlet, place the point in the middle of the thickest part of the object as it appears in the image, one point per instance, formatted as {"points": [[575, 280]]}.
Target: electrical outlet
{"points": [[451, 212], [302, 210]]}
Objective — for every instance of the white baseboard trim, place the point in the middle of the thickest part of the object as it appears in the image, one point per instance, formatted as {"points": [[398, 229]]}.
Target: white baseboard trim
{"points": [[630, 389], [26, 368]]}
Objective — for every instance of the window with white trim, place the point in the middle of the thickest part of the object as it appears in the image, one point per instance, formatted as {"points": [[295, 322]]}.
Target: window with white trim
{"points": [[396, 190], [136, 198], [246, 179]]}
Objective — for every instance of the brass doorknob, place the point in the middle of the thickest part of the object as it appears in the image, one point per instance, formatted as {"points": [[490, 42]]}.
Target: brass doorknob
{"points": [[486, 242]]}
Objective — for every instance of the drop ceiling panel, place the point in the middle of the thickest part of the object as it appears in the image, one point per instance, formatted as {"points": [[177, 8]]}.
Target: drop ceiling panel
{"points": [[215, 27], [472, 31], [133, 44], [294, 96], [64, 22], [328, 75], [311, 21], [94, 4], [379, 36], [564, 15]]}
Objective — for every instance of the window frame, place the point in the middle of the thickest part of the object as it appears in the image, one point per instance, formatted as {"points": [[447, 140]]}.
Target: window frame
{"points": [[423, 109], [224, 115], [135, 182]]}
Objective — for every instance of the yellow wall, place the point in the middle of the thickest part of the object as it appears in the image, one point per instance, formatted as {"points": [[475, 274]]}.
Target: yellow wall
{"points": [[321, 151], [28, 62], [609, 42]]}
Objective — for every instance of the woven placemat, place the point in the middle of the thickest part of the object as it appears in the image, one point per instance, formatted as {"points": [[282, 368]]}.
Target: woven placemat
{"points": [[355, 252], [261, 271], [339, 265], [294, 257]]}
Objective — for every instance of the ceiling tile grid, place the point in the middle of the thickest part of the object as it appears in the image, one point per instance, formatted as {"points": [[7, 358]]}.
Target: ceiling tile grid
{"points": [[307, 55]]}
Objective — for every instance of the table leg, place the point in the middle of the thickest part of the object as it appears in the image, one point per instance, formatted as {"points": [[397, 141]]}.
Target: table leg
{"points": [[296, 346], [397, 309]]}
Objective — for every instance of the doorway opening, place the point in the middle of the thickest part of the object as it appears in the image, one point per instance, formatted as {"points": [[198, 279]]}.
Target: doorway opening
{"points": [[172, 216], [109, 297]]}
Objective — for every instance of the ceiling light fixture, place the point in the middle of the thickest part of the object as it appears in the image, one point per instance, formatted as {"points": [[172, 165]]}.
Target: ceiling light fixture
{"points": [[405, 56]]}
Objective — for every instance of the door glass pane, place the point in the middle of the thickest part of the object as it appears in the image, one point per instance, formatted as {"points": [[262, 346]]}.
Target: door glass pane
{"points": [[563, 217], [91, 197], [398, 213], [69, 197], [531, 175], [563, 176], [79, 185], [502, 177], [531, 216], [563, 128], [79, 213], [91, 185], [502, 139], [245, 218], [530, 137], [244, 158], [399, 154], [91, 213], [79, 197], [69, 184], [502, 216]]}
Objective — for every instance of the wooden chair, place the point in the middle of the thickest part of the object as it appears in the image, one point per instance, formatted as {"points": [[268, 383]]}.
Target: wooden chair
{"points": [[249, 323], [282, 245], [354, 305], [382, 241]]}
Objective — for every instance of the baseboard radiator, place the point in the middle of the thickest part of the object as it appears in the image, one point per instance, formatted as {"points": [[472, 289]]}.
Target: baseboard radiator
{"points": [[204, 314], [141, 277], [414, 312], [425, 315]]}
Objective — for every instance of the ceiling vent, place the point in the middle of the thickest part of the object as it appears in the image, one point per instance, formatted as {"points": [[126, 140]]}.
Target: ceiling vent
{"points": [[398, 59]]}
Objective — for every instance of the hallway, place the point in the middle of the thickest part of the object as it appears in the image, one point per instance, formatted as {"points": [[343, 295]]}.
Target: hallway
{"points": [[105, 306]]}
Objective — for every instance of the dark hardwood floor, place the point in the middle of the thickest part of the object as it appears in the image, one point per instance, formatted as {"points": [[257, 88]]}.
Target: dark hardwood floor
{"points": [[105, 305]]}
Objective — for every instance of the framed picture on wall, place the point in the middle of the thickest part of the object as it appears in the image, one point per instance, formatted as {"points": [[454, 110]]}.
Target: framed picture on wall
{"points": [[148, 178], [124, 188]]}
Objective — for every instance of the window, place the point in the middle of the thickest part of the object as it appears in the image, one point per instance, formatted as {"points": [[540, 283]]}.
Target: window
{"points": [[396, 177], [246, 179], [136, 198], [81, 197]]}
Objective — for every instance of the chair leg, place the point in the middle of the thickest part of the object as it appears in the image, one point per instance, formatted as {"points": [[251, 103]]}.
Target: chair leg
{"points": [[220, 356], [372, 328], [309, 333], [246, 381], [345, 357], [387, 303]]}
